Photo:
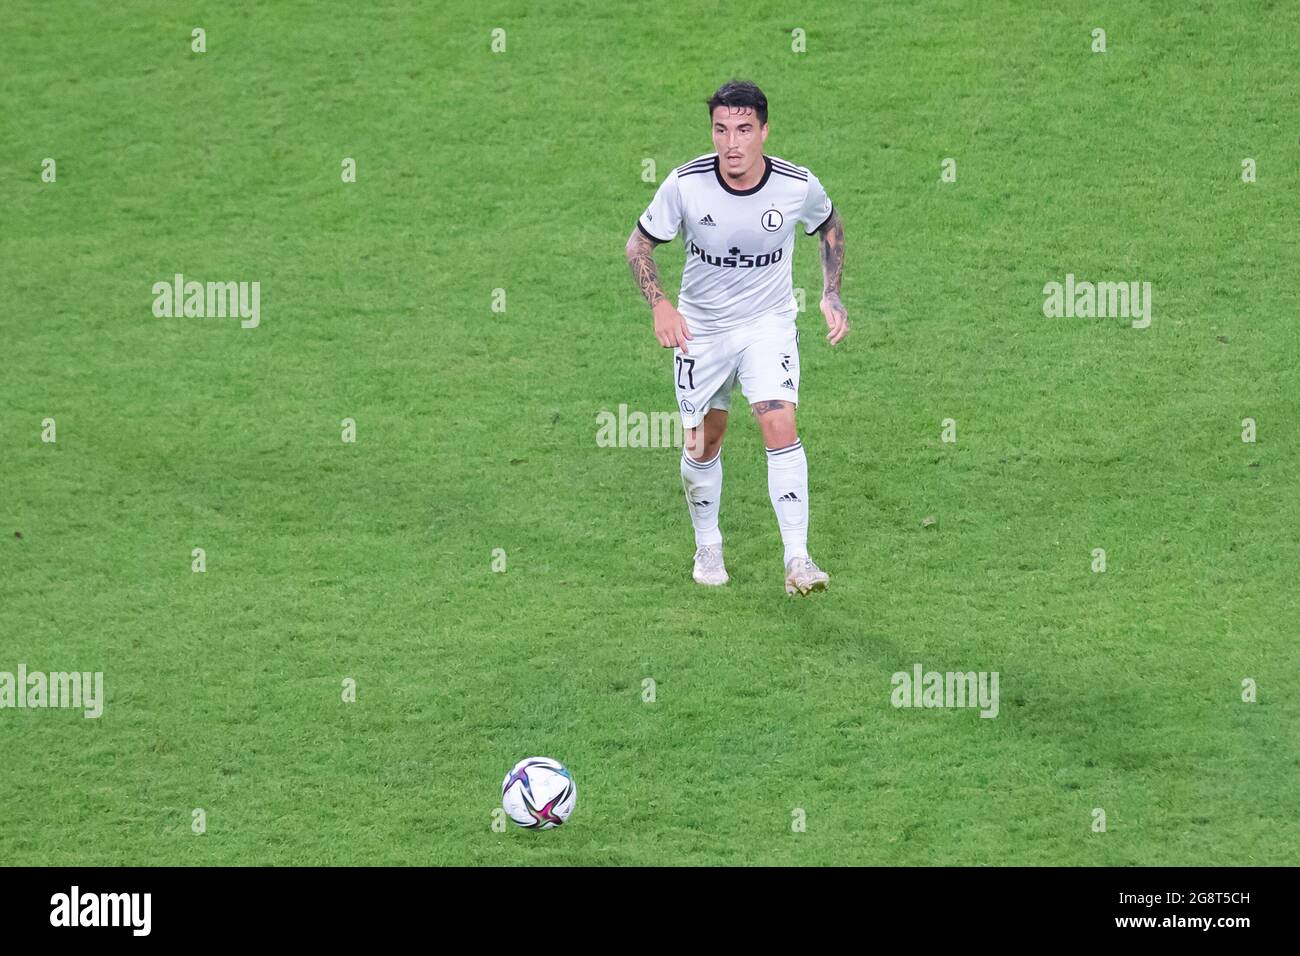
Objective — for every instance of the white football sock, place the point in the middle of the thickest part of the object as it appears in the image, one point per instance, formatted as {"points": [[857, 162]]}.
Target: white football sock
{"points": [[702, 482], [787, 486]]}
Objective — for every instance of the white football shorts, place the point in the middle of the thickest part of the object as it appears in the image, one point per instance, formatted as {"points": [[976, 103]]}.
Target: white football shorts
{"points": [[762, 355]]}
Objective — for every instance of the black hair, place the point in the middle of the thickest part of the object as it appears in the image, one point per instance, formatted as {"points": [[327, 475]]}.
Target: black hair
{"points": [[739, 93]]}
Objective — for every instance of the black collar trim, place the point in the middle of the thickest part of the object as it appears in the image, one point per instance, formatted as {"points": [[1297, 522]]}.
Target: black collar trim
{"points": [[767, 172]]}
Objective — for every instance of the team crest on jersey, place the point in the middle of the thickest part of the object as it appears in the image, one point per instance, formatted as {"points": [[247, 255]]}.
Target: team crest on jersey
{"points": [[772, 220]]}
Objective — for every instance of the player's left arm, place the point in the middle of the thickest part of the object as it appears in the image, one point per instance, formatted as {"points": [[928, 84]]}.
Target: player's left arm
{"points": [[831, 237]]}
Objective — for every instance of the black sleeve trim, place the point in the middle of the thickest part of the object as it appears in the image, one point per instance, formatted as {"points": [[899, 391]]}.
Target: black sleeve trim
{"points": [[819, 228], [653, 238]]}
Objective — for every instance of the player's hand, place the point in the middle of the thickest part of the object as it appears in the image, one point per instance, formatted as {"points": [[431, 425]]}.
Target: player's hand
{"points": [[837, 318], [670, 327]]}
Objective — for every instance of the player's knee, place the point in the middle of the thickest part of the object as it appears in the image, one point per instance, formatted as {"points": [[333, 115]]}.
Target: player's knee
{"points": [[693, 444], [703, 442], [776, 421], [699, 445]]}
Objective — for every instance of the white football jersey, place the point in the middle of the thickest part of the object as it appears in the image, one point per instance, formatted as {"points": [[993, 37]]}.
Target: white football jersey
{"points": [[739, 242]]}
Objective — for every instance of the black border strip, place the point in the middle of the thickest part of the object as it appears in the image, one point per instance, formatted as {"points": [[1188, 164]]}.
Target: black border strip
{"points": [[818, 229], [649, 235]]}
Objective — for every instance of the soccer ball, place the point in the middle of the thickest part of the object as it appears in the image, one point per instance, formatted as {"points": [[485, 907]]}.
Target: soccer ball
{"points": [[539, 793]]}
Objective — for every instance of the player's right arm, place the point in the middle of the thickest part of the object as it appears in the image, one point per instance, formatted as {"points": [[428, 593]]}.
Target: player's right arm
{"points": [[657, 225], [670, 327]]}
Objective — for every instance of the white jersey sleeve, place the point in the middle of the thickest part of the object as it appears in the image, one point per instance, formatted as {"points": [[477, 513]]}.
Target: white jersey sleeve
{"points": [[816, 208], [663, 217]]}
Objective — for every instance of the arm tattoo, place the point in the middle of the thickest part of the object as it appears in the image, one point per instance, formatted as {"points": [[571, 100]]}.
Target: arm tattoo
{"points": [[641, 257], [832, 247]]}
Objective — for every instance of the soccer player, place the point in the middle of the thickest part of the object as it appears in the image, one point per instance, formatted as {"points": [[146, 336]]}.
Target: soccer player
{"points": [[735, 318]]}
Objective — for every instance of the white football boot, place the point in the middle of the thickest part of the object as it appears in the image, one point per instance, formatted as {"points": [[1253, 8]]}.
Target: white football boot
{"points": [[708, 566], [802, 577]]}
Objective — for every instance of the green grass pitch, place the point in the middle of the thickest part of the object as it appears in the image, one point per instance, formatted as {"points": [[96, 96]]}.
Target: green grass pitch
{"points": [[475, 431]]}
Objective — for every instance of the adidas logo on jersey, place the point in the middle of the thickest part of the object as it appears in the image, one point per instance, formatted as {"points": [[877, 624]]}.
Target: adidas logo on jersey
{"points": [[707, 220], [788, 383]]}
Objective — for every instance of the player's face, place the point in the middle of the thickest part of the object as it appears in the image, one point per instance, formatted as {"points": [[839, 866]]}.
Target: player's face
{"points": [[738, 137]]}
